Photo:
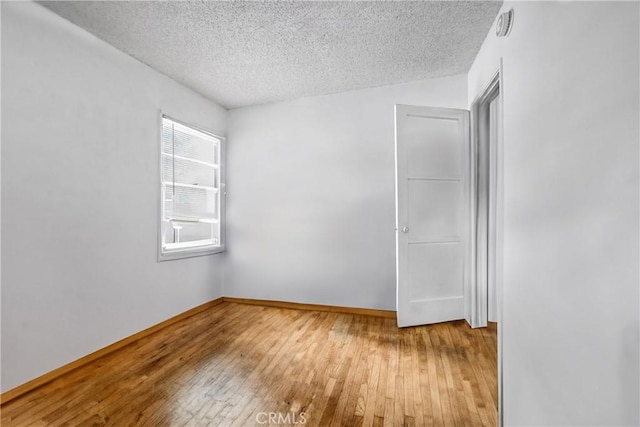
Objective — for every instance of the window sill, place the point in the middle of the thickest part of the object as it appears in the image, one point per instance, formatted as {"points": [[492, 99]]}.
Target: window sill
{"points": [[186, 252]]}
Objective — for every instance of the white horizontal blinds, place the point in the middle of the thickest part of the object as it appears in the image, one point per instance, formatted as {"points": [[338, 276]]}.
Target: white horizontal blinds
{"points": [[189, 172], [193, 202], [194, 145], [190, 181]]}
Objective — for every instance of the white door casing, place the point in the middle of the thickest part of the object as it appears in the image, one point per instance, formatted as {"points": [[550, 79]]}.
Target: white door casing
{"points": [[432, 205], [494, 128], [485, 208]]}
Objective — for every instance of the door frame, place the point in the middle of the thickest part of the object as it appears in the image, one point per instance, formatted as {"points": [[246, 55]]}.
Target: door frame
{"points": [[477, 315], [485, 162]]}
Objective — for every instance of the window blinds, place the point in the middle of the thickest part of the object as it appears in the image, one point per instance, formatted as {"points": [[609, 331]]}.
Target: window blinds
{"points": [[190, 185]]}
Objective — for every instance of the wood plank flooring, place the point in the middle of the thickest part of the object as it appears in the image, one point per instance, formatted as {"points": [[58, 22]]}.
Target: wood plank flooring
{"points": [[246, 365]]}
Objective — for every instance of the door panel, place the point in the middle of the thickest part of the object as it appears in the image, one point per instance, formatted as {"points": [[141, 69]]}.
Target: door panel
{"points": [[435, 271], [428, 149], [432, 155], [433, 209]]}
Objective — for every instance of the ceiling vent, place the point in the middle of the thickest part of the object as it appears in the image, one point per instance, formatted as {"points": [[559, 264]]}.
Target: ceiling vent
{"points": [[504, 24]]}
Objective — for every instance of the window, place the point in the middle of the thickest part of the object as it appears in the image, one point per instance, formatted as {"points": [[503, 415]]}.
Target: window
{"points": [[192, 192]]}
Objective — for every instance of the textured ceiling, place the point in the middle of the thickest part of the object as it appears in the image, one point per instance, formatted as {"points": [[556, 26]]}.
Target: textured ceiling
{"points": [[244, 53]]}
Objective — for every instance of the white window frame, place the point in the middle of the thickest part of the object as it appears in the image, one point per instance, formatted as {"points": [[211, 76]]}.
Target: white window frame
{"points": [[193, 250]]}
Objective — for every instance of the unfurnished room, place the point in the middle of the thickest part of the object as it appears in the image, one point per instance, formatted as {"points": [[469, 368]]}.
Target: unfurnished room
{"points": [[320, 213]]}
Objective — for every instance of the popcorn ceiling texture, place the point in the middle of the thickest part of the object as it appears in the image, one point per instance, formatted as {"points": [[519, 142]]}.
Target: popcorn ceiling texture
{"points": [[246, 53]]}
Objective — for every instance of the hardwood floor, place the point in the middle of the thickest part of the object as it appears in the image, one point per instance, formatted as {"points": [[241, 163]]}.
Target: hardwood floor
{"points": [[246, 365]]}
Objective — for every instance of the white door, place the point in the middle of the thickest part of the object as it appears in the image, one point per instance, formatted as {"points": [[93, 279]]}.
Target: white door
{"points": [[432, 175]]}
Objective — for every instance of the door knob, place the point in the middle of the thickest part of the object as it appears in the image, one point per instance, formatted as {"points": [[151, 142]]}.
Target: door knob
{"points": [[405, 229]]}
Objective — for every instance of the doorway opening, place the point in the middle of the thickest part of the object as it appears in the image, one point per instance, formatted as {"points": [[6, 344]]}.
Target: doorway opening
{"points": [[486, 215], [486, 113]]}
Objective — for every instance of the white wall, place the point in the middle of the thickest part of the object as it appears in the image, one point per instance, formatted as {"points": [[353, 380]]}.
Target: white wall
{"points": [[80, 168], [311, 213], [570, 319]]}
